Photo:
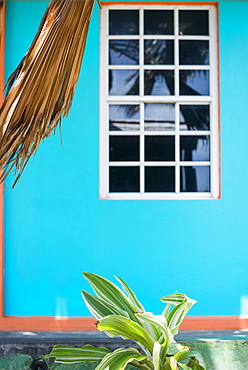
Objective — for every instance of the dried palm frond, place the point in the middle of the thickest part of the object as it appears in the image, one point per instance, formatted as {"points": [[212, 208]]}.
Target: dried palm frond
{"points": [[40, 90]]}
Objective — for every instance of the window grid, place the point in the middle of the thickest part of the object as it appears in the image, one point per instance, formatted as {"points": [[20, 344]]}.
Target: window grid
{"points": [[142, 99]]}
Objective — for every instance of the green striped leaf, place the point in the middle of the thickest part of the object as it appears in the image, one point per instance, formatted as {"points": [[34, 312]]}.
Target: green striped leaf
{"points": [[184, 367], [161, 323], [98, 307], [174, 348], [131, 295], [66, 354], [156, 359], [117, 325], [173, 363], [175, 298], [178, 313], [183, 354], [111, 293], [119, 359]]}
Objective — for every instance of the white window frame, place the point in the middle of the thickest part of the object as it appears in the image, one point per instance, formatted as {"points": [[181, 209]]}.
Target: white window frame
{"points": [[212, 99]]}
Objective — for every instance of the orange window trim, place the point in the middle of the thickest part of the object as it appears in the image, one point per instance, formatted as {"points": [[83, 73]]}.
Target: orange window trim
{"points": [[50, 323]]}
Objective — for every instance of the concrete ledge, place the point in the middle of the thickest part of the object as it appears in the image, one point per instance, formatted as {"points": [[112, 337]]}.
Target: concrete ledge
{"points": [[217, 350]]}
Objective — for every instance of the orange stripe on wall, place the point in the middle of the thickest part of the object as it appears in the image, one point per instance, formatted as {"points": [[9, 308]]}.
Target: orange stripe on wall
{"points": [[43, 323]]}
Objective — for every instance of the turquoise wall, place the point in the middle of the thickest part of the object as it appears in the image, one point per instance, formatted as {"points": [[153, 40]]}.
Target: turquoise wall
{"points": [[56, 227]]}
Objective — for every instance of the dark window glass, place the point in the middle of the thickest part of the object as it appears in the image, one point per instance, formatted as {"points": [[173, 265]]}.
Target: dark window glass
{"points": [[159, 117], [124, 179], [124, 148], [194, 148], [123, 22], [193, 22], [159, 148], [124, 117], [158, 22], [194, 52], [123, 82], [194, 117], [195, 179], [159, 52], [159, 179], [158, 82], [194, 82], [123, 52]]}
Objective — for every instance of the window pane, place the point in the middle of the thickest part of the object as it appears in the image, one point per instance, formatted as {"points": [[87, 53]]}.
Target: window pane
{"points": [[124, 179], [193, 22], [194, 117], [159, 148], [124, 117], [195, 179], [158, 22], [159, 117], [123, 82], [123, 22], [159, 179], [159, 51], [195, 148], [193, 82], [123, 52], [158, 82], [194, 52], [124, 148]]}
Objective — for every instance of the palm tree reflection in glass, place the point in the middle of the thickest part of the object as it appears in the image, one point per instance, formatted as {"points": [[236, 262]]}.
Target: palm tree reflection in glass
{"points": [[161, 82]]}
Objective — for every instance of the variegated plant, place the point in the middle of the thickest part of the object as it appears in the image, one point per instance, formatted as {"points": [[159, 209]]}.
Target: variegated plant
{"points": [[118, 312]]}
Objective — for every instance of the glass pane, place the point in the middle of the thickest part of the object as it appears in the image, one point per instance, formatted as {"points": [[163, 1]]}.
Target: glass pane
{"points": [[159, 148], [158, 22], [124, 117], [159, 51], [124, 148], [123, 82], [123, 22], [159, 179], [194, 52], [123, 52], [194, 117], [159, 117], [194, 82], [158, 82], [195, 148], [195, 179], [193, 22], [124, 179]]}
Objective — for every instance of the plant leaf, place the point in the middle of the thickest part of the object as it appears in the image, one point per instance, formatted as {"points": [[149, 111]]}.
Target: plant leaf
{"points": [[174, 348], [184, 367], [156, 356], [175, 298], [118, 325], [109, 292], [173, 363], [131, 295], [161, 323], [66, 354], [119, 359], [178, 313], [99, 307]]}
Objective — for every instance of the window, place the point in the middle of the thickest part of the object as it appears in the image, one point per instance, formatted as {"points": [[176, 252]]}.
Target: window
{"points": [[159, 135]]}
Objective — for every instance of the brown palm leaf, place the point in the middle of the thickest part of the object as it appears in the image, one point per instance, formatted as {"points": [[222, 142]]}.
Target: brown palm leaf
{"points": [[40, 90]]}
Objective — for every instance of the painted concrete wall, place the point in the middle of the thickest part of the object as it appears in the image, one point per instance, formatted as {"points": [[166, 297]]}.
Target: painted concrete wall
{"points": [[56, 226]]}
